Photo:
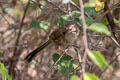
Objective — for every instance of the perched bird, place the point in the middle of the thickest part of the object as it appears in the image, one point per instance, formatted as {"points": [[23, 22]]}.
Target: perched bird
{"points": [[64, 36]]}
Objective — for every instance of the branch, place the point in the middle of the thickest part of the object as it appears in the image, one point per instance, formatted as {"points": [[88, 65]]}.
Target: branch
{"points": [[84, 34], [113, 26], [15, 53]]}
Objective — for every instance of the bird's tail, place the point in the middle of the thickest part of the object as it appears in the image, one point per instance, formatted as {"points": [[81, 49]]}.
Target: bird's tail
{"points": [[32, 54]]}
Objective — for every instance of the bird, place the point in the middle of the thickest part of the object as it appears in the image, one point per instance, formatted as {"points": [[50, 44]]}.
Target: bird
{"points": [[63, 36]]}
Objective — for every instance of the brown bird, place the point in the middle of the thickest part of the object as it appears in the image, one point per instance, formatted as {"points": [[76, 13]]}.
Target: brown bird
{"points": [[64, 36]]}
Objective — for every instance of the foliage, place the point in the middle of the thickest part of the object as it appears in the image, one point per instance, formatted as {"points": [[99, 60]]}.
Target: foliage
{"points": [[98, 59], [100, 28], [95, 56], [4, 72], [1, 52], [39, 24], [90, 9], [95, 3], [76, 17], [74, 77], [65, 64], [88, 76]]}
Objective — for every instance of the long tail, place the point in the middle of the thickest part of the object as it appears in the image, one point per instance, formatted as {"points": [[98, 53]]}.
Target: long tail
{"points": [[32, 54]]}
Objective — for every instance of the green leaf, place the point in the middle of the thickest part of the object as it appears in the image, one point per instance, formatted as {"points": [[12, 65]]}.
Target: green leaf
{"points": [[78, 20], [59, 21], [44, 26], [38, 24], [74, 77], [66, 18], [4, 72], [35, 23], [65, 67], [100, 28], [1, 51], [55, 57], [63, 19], [116, 21], [91, 12], [92, 3], [98, 59], [67, 58], [24, 1], [104, 21], [65, 64], [88, 76], [89, 21], [76, 13]]}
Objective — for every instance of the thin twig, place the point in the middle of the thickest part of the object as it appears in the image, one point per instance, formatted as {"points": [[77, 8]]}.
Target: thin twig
{"points": [[15, 53], [78, 54], [5, 18], [84, 34], [113, 39], [56, 6]]}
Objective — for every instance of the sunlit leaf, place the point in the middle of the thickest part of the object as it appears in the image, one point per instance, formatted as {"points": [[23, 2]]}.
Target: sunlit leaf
{"points": [[44, 26], [4, 73], [24, 1], [74, 77], [87, 4], [88, 76], [13, 11], [95, 3], [66, 17], [92, 3], [99, 5], [116, 21], [65, 1], [17, 12], [98, 59], [100, 28]]}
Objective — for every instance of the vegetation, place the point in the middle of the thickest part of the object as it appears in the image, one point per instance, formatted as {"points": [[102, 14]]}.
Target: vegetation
{"points": [[27, 23]]}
